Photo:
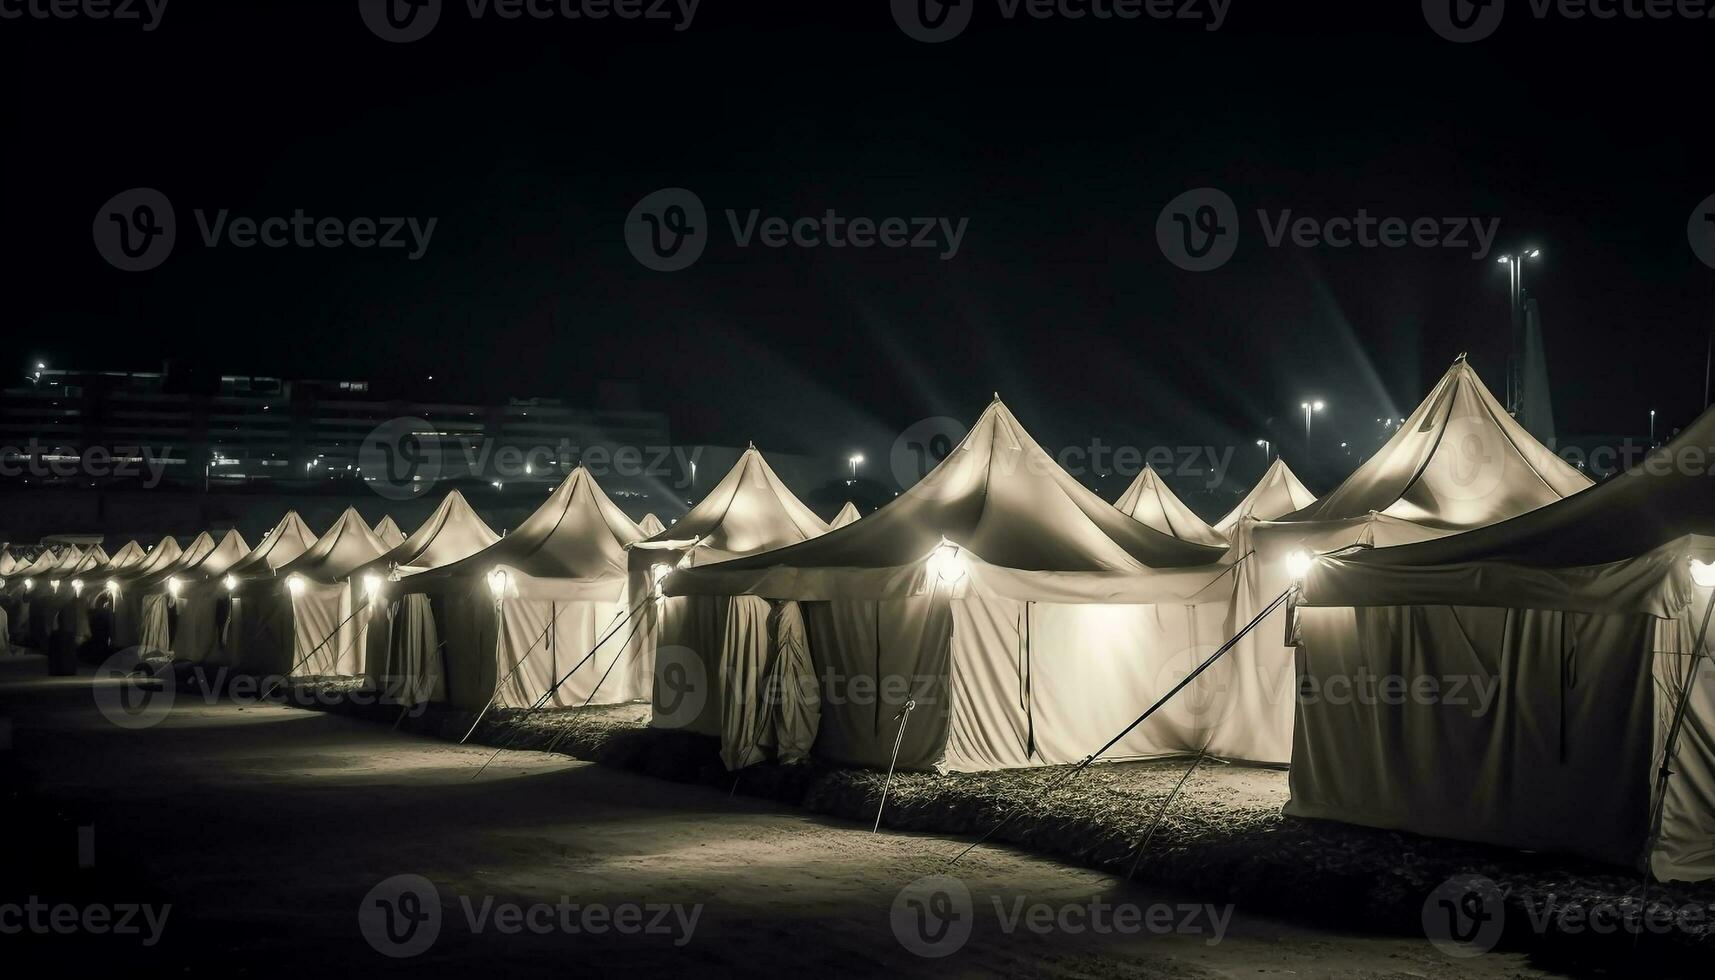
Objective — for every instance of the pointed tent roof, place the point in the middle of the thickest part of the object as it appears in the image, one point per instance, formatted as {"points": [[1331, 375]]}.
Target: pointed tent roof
{"points": [[199, 548], [650, 525], [1459, 461], [1151, 501], [847, 515], [1035, 530], [43, 564], [1277, 494], [748, 511], [389, 533], [7, 562], [215, 560], [283, 543], [453, 532], [572, 547], [157, 565], [347, 546], [130, 556], [68, 560], [94, 560]]}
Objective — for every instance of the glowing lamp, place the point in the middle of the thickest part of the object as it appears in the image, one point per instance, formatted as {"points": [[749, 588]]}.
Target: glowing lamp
{"points": [[1703, 574], [372, 586], [113, 586], [77, 587], [295, 584], [947, 564], [497, 581], [658, 579], [174, 586], [54, 586], [29, 584], [231, 583], [1298, 565], [2, 583]]}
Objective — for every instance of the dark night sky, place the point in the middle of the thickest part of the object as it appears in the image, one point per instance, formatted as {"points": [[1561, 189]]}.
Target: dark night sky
{"points": [[1061, 142]]}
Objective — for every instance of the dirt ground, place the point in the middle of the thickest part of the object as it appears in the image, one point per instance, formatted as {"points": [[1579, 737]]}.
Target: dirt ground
{"points": [[267, 829]]}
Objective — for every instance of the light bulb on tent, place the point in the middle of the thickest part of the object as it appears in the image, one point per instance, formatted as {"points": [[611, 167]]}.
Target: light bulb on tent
{"points": [[54, 586], [947, 564], [1703, 573], [231, 583], [29, 584], [497, 580], [77, 587], [113, 586], [1298, 565], [658, 579], [295, 584], [174, 587], [2, 584], [372, 586]]}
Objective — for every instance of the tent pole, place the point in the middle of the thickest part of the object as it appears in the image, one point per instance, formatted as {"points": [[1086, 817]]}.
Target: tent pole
{"points": [[1672, 741], [898, 740], [1225, 649], [1162, 813], [316, 649], [552, 621]]}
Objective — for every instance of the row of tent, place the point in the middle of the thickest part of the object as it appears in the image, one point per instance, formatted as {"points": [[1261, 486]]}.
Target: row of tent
{"points": [[999, 614]]}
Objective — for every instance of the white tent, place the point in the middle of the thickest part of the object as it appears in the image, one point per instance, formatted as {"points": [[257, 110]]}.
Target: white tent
{"points": [[1153, 502], [651, 525], [518, 615], [452, 533], [308, 608], [1276, 495], [848, 514], [27, 577], [215, 623], [1027, 618], [158, 601], [731, 640], [1458, 462], [1584, 615]]}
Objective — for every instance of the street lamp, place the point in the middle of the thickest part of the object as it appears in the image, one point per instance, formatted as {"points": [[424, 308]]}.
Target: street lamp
{"points": [[1310, 408], [1515, 296], [1267, 448], [1652, 428], [856, 461]]}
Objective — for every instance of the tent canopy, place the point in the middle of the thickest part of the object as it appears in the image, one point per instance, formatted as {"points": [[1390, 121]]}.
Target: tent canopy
{"points": [[388, 532], [748, 511], [1150, 500], [160, 559], [452, 533], [848, 514], [68, 560], [1623, 545], [1277, 494], [214, 563], [94, 560], [650, 525], [572, 547], [1030, 529], [347, 546], [1459, 461], [130, 556], [280, 546]]}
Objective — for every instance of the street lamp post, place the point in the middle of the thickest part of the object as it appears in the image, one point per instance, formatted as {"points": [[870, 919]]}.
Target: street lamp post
{"points": [[1310, 408], [1652, 428], [1515, 297], [1267, 449], [856, 461]]}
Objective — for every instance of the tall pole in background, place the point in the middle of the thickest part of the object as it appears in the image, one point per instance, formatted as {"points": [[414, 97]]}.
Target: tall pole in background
{"points": [[1515, 296]]}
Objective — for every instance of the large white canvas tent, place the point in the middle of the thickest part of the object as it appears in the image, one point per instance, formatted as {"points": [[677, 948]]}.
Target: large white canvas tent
{"points": [[46, 598], [1153, 502], [302, 619], [161, 608], [214, 622], [1276, 495], [21, 589], [1027, 618], [1584, 615], [518, 616], [848, 514], [1458, 462], [452, 533], [729, 640]]}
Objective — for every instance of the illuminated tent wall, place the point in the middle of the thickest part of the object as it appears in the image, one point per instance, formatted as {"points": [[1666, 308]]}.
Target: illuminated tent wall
{"points": [[389, 533], [94, 596], [21, 589], [46, 599], [732, 641], [304, 613], [83, 583], [1028, 618], [1277, 494], [127, 615], [848, 514], [651, 525], [1587, 613], [1153, 502], [161, 611], [452, 533], [520, 614], [215, 623], [1458, 462]]}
